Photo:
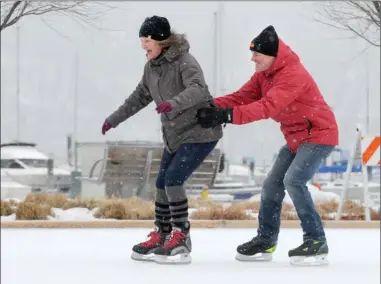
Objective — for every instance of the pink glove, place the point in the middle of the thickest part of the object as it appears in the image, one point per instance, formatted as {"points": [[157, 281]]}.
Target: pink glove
{"points": [[106, 127], [164, 107]]}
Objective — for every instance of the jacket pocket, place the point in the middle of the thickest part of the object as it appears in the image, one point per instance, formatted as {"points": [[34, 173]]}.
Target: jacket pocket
{"points": [[309, 126], [172, 115]]}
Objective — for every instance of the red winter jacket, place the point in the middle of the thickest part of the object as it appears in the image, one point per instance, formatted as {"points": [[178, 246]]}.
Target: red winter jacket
{"points": [[288, 94]]}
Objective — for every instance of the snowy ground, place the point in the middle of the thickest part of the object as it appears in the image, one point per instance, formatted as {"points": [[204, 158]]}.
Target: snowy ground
{"points": [[92, 256], [84, 214]]}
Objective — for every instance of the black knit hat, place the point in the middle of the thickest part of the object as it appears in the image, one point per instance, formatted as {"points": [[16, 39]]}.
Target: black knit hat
{"points": [[155, 27], [266, 42]]}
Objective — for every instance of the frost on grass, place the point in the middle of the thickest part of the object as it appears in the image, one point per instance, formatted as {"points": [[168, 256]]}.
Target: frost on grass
{"points": [[44, 206], [6, 208], [33, 211]]}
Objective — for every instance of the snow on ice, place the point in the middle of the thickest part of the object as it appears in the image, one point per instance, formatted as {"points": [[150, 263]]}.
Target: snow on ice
{"points": [[78, 256]]}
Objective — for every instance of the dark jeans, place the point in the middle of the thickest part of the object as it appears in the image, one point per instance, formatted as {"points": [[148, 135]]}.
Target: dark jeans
{"points": [[292, 171], [176, 168]]}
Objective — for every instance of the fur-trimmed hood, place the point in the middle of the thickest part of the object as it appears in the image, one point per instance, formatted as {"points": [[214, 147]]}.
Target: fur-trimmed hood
{"points": [[175, 45]]}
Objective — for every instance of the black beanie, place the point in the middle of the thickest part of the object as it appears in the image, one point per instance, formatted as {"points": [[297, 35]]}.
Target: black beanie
{"points": [[155, 27], [266, 42]]}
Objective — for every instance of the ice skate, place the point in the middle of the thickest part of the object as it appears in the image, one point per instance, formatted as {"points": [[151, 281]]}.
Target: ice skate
{"points": [[177, 248], [144, 251], [255, 250], [310, 253]]}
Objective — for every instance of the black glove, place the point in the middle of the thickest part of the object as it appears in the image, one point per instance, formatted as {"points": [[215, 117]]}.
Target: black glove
{"points": [[211, 117]]}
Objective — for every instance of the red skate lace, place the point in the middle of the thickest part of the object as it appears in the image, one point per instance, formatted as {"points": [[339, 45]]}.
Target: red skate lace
{"points": [[175, 238], [154, 239]]}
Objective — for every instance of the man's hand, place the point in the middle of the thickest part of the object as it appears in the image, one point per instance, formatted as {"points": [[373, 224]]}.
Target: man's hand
{"points": [[211, 117]]}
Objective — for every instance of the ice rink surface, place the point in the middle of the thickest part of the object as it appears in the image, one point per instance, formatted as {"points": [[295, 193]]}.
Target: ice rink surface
{"points": [[92, 256]]}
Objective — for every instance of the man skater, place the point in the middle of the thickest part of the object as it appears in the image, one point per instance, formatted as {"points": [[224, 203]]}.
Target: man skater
{"points": [[283, 90]]}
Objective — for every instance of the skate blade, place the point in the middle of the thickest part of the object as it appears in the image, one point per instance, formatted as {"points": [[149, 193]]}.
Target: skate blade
{"points": [[317, 260], [173, 259], [257, 257], [142, 257]]}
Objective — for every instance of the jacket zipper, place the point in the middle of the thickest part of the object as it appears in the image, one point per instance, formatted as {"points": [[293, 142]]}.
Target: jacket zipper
{"points": [[158, 88]]}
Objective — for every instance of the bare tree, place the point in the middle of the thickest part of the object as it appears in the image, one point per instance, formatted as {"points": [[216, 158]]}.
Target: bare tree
{"points": [[361, 18], [81, 11]]}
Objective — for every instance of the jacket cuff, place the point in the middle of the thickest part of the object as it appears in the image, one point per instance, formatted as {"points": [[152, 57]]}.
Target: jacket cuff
{"points": [[174, 104], [114, 120]]}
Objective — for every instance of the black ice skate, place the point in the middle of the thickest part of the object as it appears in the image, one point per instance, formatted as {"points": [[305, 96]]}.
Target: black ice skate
{"points": [[255, 250], [177, 248], [144, 251], [309, 253]]}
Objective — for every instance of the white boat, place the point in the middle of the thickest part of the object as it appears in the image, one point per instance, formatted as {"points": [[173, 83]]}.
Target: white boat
{"points": [[355, 189], [234, 183], [23, 163], [12, 189], [242, 173]]}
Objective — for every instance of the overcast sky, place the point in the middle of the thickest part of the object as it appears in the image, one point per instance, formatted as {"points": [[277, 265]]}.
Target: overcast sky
{"points": [[111, 64]]}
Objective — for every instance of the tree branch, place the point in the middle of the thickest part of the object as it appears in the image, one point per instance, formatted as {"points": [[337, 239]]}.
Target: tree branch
{"points": [[368, 11], [81, 10], [377, 5], [8, 15], [359, 18], [17, 17]]}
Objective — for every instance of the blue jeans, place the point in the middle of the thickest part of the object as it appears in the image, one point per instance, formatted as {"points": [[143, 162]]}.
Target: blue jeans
{"points": [[176, 168], [291, 172]]}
